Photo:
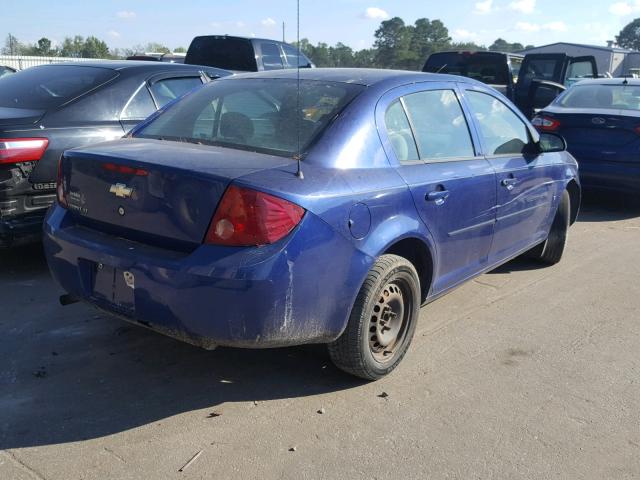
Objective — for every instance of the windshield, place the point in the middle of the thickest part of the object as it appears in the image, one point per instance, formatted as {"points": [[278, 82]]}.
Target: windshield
{"points": [[488, 68], [262, 115], [50, 86], [617, 97]]}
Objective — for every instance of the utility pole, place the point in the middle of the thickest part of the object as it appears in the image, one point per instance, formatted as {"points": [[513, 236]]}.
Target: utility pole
{"points": [[283, 40]]}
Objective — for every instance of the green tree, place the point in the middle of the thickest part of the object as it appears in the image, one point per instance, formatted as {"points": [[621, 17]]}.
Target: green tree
{"points": [[12, 46], [44, 48], [393, 41], [78, 47], [180, 50], [155, 47], [502, 45], [341, 55], [629, 36], [427, 37]]}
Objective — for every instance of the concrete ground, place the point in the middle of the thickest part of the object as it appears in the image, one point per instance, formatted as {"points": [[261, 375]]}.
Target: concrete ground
{"points": [[525, 372]]}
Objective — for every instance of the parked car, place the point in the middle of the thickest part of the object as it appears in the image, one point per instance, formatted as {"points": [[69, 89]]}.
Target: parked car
{"points": [[600, 120], [47, 109], [203, 225], [6, 70], [531, 81], [240, 54]]}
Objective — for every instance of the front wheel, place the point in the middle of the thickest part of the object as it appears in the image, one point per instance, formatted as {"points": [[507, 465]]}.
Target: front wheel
{"points": [[550, 251], [382, 322]]}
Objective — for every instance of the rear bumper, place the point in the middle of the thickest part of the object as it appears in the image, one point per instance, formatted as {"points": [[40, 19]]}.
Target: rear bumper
{"points": [[297, 291], [21, 229], [620, 177]]}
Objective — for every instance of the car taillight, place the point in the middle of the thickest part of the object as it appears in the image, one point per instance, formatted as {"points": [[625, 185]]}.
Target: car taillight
{"points": [[637, 129], [60, 185], [16, 150], [546, 124], [247, 217]]}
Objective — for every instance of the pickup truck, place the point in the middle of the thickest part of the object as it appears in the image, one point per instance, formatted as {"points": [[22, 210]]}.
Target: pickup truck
{"points": [[241, 54], [531, 81]]}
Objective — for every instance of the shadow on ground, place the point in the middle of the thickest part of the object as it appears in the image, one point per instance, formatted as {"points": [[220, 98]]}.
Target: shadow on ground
{"points": [[607, 207], [71, 373]]}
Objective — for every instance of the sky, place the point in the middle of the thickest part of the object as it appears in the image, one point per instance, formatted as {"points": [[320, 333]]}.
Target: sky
{"points": [[124, 23]]}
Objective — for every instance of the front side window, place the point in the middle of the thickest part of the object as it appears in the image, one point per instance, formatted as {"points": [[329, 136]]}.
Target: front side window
{"points": [[400, 134], [169, 89], [502, 130], [261, 115], [439, 125], [271, 58]]}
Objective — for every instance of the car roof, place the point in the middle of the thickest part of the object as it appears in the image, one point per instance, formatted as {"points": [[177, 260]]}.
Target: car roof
{"points": [[485, 52], [609, 81], [360, 76], [237, 37], [126, 65]]}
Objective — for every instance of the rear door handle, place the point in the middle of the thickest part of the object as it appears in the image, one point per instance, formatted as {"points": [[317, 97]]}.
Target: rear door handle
{"points": [[437, 196]]}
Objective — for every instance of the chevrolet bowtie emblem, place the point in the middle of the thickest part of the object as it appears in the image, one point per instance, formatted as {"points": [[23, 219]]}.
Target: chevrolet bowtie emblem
{"points": [[121, 190]]}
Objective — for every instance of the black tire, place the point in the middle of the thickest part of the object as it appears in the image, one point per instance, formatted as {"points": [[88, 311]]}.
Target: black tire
{"points": [[382, 322], [550, 251]]}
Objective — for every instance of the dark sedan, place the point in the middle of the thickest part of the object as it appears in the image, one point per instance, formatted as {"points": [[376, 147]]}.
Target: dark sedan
{"points": [[600, 120], [48, 109]]}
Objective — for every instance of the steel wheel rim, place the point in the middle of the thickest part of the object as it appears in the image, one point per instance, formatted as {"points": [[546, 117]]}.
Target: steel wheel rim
{"points": [[389, 320]]}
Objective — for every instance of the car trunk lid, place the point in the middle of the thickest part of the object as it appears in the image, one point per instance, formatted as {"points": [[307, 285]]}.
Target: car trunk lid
{"points": [[599, 135], [156, 192], [10, 116]]}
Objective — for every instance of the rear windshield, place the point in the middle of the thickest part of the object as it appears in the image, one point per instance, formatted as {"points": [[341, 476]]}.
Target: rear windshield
{"points": [[50, 86], [222, 52], [261, 115], [617, 97], [487, 68]]}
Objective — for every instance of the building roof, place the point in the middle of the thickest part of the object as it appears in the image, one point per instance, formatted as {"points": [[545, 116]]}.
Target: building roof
{"points": [[594, 47]]}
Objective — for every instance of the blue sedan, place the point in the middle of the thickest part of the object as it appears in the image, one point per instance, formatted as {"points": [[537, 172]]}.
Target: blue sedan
{"points": [[263, 211], [600, 120]]}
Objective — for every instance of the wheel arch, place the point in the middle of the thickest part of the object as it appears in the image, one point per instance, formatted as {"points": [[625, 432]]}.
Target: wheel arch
{"points": [[419, 254], [575, 196]]}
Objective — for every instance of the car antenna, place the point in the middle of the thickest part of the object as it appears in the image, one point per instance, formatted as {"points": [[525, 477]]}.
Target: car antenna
{"points": [[299, 173]]}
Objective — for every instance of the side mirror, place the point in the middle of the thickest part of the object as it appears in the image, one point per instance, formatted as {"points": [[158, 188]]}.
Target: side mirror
{"points": [[550, 142]]}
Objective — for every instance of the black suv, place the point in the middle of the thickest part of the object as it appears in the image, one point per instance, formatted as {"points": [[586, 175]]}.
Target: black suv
{"points": [[240, 54], [531, 81]]}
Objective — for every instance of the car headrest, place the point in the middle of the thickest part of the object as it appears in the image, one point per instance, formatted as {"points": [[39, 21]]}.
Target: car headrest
{"points": [[236, 126]]}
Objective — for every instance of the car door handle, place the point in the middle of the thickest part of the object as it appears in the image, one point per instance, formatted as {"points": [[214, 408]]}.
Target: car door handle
{"points": [[438, 196], [509, 182]]}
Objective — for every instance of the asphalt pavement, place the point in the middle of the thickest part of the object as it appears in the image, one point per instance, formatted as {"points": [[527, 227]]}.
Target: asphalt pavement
{"points": [[525, 372]]}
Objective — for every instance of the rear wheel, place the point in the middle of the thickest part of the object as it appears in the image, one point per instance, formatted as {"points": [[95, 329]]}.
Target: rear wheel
{"points": [[550, 251], [382, 322]]}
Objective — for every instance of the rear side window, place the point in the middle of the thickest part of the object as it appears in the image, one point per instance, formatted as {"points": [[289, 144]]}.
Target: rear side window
{"points": [[439, 125], [271, 59], [294, 57], [223, 52], [140, 106], [50, 86], [501, 130], [400, 133], [169, 89]]}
